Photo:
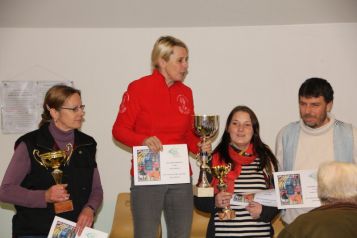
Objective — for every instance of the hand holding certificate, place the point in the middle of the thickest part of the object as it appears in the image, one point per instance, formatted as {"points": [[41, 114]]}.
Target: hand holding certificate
{"points": [[65, 228], [293, 189], [170, 166]]}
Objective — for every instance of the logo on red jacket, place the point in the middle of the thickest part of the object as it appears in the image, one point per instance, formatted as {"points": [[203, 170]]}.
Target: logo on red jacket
{"points": [[124, 101], [182, 102]]}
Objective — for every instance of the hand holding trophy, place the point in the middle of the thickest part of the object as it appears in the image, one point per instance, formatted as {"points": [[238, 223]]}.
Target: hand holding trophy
{"points": [[220, 172], [54, 160], [205, 127]]}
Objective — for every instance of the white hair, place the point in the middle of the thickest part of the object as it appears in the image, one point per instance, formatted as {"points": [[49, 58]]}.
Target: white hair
{"points": [[337, 182]]}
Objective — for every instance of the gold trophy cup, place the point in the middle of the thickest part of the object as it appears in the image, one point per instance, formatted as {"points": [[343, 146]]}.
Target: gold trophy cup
{"points": [[205, 127], [54, 160], [220, 172]]}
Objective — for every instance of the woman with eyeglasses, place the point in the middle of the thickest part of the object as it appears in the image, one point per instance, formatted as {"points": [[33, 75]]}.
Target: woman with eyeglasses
{"points": [[53, 171]]}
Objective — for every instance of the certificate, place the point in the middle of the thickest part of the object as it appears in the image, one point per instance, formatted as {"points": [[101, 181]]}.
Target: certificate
{"points": [[65, 228], [170, 166], [296, 189], [264, 197]]}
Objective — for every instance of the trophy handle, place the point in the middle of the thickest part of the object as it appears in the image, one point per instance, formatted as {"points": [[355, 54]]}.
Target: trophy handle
{"points": [[69, 148], [38, 158]]}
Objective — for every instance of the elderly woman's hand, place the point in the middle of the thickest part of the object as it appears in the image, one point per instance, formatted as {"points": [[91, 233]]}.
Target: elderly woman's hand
{"points": [[86, 218], [57, 193]]}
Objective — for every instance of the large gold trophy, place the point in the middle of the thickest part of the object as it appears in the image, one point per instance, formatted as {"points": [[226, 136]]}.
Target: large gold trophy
{"points": [[54, 160], [220, 172], [205, 127]]}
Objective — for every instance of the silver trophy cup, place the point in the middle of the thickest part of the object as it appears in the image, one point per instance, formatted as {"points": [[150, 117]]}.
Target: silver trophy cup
{"points": [[206, 127]]}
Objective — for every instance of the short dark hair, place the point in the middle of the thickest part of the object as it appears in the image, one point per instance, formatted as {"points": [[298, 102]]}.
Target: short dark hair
{"points": [[316, 87]]}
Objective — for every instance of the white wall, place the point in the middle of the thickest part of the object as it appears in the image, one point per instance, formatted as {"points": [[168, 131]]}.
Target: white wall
{"points": [[261, 67]]}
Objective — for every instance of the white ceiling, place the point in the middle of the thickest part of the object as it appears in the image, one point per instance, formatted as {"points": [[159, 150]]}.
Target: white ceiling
{"points": [[169, 13]]}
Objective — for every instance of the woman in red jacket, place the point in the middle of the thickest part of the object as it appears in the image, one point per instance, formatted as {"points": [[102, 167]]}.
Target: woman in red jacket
{"points": [[156, 110]]}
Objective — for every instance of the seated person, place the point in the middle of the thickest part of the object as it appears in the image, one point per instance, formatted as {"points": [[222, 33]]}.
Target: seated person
{"points": [[337, 217]]}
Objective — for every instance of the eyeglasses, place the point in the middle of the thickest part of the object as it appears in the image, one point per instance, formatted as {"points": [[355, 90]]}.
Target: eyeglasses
{"points": [[75, 109]]}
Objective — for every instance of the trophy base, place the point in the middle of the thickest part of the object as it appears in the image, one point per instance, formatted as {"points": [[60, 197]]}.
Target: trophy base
{"points": [[65, 206], [203, 192], [227, 214]]}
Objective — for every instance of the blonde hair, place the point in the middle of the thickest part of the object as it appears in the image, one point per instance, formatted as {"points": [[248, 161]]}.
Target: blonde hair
{"points": [[163, 49], [337, 182]]}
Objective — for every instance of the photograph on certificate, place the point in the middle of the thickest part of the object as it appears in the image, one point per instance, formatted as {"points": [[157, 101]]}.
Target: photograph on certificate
{"points": [[265, 197], [148, 165], [169, 166], [242, 199], [62, 228], [296, 189], [290, 189]]}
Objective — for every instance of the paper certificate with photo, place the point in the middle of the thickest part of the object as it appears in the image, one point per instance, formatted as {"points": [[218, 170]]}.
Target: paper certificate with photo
{"points": [[65, 228], [264, 197], [296, 189], [170, 166]]}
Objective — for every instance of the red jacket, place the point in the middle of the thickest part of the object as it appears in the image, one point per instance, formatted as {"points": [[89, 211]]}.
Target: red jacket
{"points": [[150, 108]]}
